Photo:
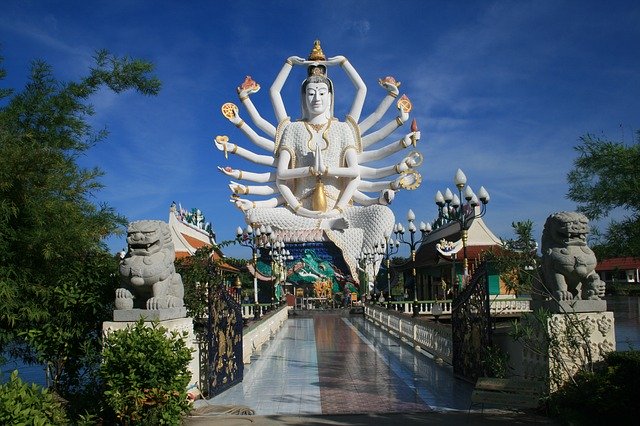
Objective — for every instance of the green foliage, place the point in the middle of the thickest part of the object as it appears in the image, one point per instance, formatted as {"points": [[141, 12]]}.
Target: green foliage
{"points": [[496, 362], [196, 272], [56, 277], [145, 375], [516, 261], [23, 404], [607, 395], [605, 176]]}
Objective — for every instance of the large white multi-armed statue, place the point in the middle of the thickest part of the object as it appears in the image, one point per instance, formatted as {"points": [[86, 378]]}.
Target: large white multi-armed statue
{"points": [[318, 188]]}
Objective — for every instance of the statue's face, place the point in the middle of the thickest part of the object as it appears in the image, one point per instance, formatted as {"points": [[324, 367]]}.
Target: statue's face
{"points": [[318, 98]]}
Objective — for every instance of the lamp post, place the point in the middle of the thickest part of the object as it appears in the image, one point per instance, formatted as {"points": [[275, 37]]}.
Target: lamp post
{"points": [[413, 243], [279, 256], [450, 210], [254, 239], [389, 248]]}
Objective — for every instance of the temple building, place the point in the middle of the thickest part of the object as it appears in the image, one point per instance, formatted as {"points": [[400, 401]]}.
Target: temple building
{"points": [[435, 272], [189, 232], [621, 269]]}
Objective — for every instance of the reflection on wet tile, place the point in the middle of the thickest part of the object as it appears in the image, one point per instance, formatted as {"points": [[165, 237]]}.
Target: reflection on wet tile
{"points": [[332, 365]]}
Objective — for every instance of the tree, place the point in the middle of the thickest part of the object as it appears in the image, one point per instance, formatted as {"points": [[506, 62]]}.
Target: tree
{"points": [[605, 177], [56, 276]]}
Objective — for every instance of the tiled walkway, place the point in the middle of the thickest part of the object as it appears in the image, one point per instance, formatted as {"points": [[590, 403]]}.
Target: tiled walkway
{"points": [[331, 365]]}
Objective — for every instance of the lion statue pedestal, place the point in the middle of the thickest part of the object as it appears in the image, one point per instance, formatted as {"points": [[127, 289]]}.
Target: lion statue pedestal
{"points": [[578, 329], [151, 289]]}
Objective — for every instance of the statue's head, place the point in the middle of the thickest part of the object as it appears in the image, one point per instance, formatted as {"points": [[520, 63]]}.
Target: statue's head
{"points": [[317, 89], [317, 97]]}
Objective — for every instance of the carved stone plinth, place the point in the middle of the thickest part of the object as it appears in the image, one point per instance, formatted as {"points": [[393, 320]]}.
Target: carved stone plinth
{"points": [[570, 306], [133, 315], [178, 325], [571, 342]]}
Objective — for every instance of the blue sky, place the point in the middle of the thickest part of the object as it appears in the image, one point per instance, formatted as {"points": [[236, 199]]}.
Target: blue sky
{"points": [[500, 89]]}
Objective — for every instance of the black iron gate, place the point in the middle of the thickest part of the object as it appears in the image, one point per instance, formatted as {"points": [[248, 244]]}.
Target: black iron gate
{"points": [[222, 357], [471, 326]]}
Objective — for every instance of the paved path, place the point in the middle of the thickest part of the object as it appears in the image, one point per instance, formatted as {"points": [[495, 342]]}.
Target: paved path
{"points": [[332, 364], [341, 370]]}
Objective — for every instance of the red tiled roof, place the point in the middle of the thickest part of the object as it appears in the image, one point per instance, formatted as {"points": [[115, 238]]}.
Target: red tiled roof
{"points": [[621, 263]]}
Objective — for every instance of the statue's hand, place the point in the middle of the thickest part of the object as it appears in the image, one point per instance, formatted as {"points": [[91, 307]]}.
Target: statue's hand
{"points": [[336, 60], [409, 162], [238, 188], [248, 87], [222, 143], [234, 173], [390, 85], [386, 196], [236, 120], [296, 60], [242, 204], [410, 138]]}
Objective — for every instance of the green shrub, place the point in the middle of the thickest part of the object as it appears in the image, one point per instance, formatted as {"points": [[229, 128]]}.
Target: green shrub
{"points": [[145, 376], [608, 395], [24, 404]]}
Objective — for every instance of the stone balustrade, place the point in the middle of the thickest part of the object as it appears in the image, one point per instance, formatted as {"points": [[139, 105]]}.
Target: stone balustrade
{"points": [[259, 332], [499, 305], [430, 337], [249, 308]]}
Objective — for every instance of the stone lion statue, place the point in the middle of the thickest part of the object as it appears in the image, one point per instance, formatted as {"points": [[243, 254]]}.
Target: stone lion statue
{"points": [[568, 264], [149, 278]]}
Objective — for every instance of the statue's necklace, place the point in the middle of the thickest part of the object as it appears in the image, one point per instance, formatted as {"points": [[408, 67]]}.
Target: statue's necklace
{"points": [[317, 128]]}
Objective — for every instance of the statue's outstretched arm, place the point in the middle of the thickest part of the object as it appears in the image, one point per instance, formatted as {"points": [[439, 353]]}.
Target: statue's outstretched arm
{"points": [[366, 156], [223, 144], [410, 161], [361, 88], [260, 141], [385, 198], [240, 189], [276, 87], [380, 134], [391, 86], [250, 176], [409, 180], [248, 88], [351, 170], [244, 204]]}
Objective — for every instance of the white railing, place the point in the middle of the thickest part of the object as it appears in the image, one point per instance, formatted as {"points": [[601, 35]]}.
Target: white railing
{"points": [[249, 308], [499, 306], [433, 338], [509, 306], [259, 332]]}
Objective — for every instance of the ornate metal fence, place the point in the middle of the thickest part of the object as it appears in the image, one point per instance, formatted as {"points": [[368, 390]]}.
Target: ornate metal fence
{"points": [[223, 356], [471, 326]]}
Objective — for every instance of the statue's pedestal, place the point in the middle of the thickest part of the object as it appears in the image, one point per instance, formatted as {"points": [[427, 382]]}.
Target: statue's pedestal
{"points": [[571, 341], [133, 315], [178, 325], [570, 306]]}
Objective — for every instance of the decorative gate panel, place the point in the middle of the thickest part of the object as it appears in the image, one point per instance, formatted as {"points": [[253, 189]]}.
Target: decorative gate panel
{"points": [[224, 366], [471, 327]]}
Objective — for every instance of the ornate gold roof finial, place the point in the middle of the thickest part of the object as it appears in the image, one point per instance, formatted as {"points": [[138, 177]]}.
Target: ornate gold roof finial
{"points": [[316, 53]]}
